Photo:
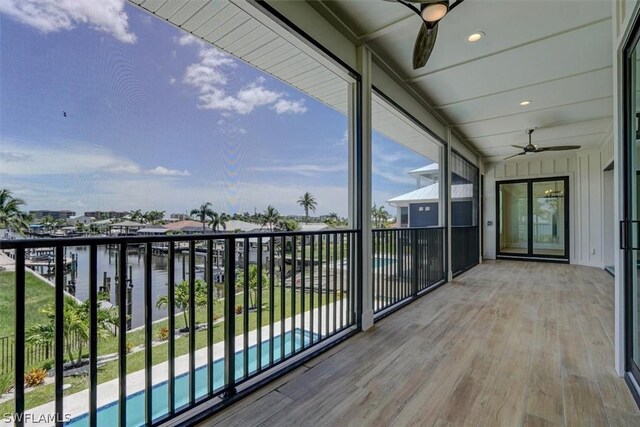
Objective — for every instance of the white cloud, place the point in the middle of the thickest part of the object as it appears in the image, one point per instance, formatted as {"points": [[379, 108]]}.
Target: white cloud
{"points": [[286, 106], [344, 140], [308, 170], [244, 102], [172, 80], [70, 158], [188, 39], [162, 171], [50, 16], [401, 178], [209, 78]]}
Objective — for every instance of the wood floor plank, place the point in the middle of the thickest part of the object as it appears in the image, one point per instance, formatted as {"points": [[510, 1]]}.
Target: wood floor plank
{"points": [[505, 344], [259, 411], [619, 418], [583, 405], [534, 421], [544, 389]]}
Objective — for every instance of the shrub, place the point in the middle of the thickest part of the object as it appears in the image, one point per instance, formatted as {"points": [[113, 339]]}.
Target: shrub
{"points": [[129, 346], [6, 382], [238, 309], [35, 377], [163, 333], [216, 316]]}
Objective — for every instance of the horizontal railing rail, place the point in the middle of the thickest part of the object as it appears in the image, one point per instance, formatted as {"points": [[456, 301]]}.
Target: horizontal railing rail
{"points": [[406, 262], [465, 245], [128, 240], [267, 299]]}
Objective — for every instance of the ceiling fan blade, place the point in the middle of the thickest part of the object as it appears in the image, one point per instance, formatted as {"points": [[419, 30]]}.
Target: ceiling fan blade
{"points": [[557, 148], [455, 4], [519, 147], [515, 155], [424, 45]]}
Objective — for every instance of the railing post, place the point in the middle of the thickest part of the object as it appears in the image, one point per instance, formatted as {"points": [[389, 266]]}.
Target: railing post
{"points": [[229, 316], [19, 341], [414, 262], [449, 253]]}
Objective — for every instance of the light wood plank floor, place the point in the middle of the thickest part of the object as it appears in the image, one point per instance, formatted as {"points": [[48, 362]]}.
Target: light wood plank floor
{"points": [[506, 344]]}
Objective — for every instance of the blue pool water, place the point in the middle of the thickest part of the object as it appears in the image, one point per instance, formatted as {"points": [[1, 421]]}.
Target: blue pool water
{"points": [[108, 414], [381, 262]]}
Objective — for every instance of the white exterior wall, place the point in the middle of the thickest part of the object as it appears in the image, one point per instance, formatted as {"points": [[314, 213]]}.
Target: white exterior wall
{"points": [[584, 170]]}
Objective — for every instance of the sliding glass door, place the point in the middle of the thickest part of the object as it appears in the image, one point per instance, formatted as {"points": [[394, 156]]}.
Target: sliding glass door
{"points": [[514, 218], [630, 226], [533, 218]]}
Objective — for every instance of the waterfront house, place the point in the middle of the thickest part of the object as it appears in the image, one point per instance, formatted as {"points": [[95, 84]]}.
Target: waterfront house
{"points": [[490, 308]]}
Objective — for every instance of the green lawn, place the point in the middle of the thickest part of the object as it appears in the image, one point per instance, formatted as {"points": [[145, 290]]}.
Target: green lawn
{"points": [[135, 361], [38, 294]]}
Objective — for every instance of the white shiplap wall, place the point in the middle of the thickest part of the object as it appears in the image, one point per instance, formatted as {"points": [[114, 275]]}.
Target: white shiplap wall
{"points": [[584, 170]]}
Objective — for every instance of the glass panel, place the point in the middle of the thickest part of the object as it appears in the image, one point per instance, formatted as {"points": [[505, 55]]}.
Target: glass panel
{"points": [[548, 218], [514, 222], [633, 205]]}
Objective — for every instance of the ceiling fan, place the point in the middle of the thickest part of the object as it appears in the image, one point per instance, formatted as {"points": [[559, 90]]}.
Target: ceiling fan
{"points": [[530, 148], [431, 12]]}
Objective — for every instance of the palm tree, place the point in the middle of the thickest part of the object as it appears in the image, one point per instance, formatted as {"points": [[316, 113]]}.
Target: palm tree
{"points": [[270, 217], [75, 326], [11, 217], [253, 282], [288, 224], [48, 222], [374, 215], [182, 297], [380, 216], [308, 202], [334, 220], [219, 220], [153, 217], [202, 213], [137, 216]]}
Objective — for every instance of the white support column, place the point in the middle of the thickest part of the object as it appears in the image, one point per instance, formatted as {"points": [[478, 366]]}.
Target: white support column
{"points": [[448, 190], [364, 68]]}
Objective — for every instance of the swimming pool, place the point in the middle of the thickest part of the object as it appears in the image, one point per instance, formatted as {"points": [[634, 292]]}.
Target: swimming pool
{"points": [[381, 262], [108, 414]]}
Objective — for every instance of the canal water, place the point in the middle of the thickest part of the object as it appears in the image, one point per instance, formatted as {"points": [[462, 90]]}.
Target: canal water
{"points": [[108, 266]]}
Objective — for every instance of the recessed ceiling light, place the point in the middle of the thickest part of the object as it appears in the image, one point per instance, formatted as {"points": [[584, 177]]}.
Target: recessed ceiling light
{"points": [[475, 36], [523, 103]]}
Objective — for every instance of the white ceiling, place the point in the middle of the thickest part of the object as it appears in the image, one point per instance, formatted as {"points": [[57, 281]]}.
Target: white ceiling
{"points": [[556, 53]]}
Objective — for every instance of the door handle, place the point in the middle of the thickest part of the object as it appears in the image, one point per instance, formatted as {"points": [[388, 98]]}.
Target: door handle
{"points": [[624, 233]]}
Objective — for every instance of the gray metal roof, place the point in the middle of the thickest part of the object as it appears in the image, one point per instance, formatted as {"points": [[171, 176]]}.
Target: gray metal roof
{"points": [[430, 193]]}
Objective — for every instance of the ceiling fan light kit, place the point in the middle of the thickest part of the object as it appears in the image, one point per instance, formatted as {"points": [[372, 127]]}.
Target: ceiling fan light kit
{"points": [[431, 12]]}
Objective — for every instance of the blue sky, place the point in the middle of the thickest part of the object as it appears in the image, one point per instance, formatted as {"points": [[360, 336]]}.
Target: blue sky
{"points": [[157, 120]]}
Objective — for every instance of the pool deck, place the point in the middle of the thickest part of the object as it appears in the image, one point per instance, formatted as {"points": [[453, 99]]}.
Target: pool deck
{"points": [[78, 403]]}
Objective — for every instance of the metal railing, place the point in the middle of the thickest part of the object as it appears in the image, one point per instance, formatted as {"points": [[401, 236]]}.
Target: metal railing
{"points": [[34, 353], [465, 247], [282, 294], [405, 262]]}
